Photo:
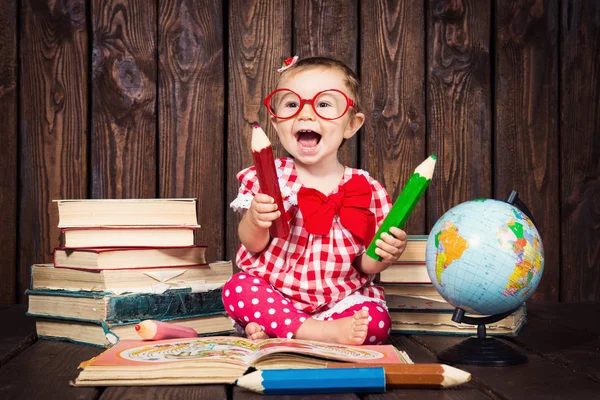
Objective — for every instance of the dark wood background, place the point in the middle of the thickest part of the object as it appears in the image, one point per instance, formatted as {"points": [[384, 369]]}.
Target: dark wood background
{"points": [[156, 98]]}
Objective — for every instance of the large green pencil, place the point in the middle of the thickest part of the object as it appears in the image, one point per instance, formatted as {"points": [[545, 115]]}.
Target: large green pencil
{"points": [[406, 202]]}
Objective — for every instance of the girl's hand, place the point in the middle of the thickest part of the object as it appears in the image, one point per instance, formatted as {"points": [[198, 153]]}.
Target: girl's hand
{"points": [[389, 247], [263, 211]]}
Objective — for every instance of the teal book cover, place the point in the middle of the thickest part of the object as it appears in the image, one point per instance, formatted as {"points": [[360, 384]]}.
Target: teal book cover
{"points": [[130, 308]]}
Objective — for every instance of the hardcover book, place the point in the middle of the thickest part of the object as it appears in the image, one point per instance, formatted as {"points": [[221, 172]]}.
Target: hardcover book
{"points": [[131, 212], [132, 307], [407, 289], [410, 267], [414, 297], [440, 323], [405, 272], [218, 360], [104, 334], [415, 248], [128, 236], [157, 280], [418, 302], [128, 258]]}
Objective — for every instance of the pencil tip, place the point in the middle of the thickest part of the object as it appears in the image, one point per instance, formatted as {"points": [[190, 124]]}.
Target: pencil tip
{"points": [[454, 376], [433, 156]]}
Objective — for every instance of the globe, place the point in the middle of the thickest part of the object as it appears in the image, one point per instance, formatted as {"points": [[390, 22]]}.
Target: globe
{"points": [[485, 256]]}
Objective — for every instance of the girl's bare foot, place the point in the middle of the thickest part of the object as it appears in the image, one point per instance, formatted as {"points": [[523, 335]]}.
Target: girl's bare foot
{"points": [[255, 332], [349, 330]]}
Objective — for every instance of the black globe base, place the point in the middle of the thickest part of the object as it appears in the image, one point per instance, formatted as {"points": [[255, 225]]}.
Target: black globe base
{"points": [[486, 352], [481, 350]]}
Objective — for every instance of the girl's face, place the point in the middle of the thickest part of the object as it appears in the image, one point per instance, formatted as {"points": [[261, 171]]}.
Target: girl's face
{"points": [[312, 140]]}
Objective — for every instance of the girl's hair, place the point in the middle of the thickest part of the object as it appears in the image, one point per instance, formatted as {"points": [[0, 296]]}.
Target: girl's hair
{"points": [[350, 78]]}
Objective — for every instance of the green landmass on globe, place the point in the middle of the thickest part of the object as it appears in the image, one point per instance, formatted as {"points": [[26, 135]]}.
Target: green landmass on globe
{"points": [[485, 256]]}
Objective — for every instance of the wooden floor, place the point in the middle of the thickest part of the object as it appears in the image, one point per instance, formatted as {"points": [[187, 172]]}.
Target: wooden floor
{"points": [[562, 342]]}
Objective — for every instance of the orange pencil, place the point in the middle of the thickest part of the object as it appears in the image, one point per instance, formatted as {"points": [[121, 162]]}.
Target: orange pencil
{"points": [[157, 330], [416, 375]]}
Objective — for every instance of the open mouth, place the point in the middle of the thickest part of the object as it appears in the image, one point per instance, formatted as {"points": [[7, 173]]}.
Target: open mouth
{"points": [[308, 138]]}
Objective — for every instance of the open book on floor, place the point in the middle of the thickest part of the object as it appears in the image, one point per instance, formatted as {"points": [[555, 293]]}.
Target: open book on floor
{"points": [[218, 359]]}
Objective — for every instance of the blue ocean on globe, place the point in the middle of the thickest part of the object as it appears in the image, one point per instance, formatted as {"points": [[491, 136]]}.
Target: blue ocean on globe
{"points": [[485, 256]]}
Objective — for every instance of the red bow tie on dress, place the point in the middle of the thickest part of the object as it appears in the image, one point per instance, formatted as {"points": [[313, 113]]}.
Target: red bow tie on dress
{"points": [[351, 202]]}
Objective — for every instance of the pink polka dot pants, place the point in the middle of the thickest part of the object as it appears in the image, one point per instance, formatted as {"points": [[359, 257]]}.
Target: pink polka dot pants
{"points": [[248, 298]]}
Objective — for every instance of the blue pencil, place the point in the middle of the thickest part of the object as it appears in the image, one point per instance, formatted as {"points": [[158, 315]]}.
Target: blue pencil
{"points": [[315, 381]]}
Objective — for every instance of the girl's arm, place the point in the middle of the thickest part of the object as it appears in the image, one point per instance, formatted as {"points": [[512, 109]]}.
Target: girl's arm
{"points": [[253, 229], [367, 265], [253, 237]]}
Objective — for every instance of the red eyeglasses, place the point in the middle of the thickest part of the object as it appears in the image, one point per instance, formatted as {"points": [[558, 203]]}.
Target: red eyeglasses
{"points": [[328, 104]]}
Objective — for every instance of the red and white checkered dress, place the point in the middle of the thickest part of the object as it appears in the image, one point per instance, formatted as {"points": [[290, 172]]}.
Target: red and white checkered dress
{"points": [[315, 272]]}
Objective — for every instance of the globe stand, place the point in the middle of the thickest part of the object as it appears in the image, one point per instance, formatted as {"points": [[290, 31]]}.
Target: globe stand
{"points": [[482, 350], [513, 199]]}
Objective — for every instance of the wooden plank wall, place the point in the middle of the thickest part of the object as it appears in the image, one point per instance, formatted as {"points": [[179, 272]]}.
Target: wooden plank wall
{"points": [[579, 144], [526, 119], [9, 151], [125, 99]]}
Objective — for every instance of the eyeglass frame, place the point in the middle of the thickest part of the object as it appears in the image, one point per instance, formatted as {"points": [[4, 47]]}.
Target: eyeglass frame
{"points": [[349, 103]]}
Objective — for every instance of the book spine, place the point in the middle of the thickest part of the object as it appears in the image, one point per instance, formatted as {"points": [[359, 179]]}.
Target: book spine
{"points": [[428, 311], [68, 339], [31, 277], [118, 249], [98, 270], [171, 304], [385, 281], [127, 227], [408, 304], [409, 262], [67, 293]]}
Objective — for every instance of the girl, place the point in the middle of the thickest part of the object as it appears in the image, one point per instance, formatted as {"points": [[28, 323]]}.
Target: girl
{"points": [[317, 283]]}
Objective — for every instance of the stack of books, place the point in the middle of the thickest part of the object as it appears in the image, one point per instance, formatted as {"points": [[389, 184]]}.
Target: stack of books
{"points": [[410, 268], [415, 305], [124, 261]]}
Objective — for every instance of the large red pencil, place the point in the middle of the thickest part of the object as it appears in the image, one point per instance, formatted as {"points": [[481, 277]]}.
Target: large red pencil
{"points": [[262, 151]]}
